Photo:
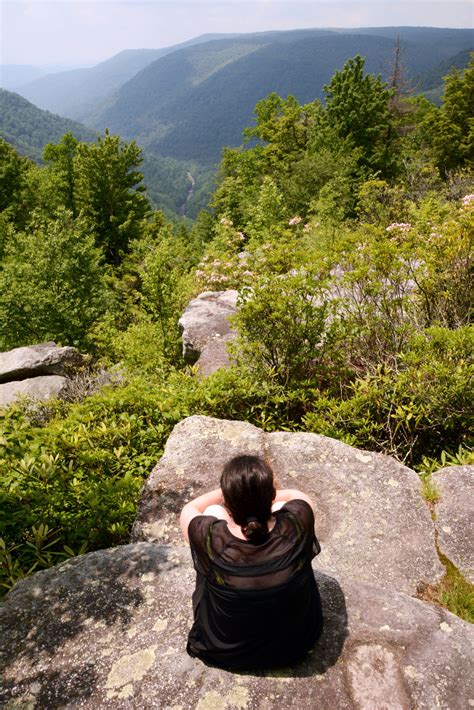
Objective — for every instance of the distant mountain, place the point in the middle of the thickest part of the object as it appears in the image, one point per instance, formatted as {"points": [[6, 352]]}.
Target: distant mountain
{"points": [[14, 75], [192, 102], [431, 83], [28, 128], [77, 92]]}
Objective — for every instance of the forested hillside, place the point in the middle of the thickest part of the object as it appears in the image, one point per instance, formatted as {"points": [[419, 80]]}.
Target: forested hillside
{"points": [[79, 92], [191, 103], [431, 83], [346, 226], [29, 129]]}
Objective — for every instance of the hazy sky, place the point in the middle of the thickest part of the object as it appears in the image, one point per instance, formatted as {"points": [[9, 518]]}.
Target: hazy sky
{"points": [[81, 32]]}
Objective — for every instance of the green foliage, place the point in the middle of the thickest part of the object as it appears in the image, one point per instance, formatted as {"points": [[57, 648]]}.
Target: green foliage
{"points": [[461, 457], [418, 408], [283, 125], [444, 274], [74, 484], [166, 284], [381, 203], [287, 330], [108, 192], [13, 170], [61, 158], [52, 286], [357, 105], [450, 128]]}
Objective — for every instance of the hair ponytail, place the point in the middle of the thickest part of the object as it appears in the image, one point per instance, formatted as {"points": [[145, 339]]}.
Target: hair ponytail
{"points": [[254, 529]]}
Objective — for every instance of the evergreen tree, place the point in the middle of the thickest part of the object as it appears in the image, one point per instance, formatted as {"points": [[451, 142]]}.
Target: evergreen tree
{"points": [[357, 107], [450, 129], [13, 172]]}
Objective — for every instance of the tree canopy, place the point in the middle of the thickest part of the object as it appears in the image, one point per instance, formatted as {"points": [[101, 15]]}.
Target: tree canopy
{"points": [[109, 192]]}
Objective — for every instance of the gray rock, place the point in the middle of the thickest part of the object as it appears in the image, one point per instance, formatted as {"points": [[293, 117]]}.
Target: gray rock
{"points": [[371, 520], [215, 355], [206, 329], [35, 360], [191, 464], [39, 388], [109, 630], [455, 516]]}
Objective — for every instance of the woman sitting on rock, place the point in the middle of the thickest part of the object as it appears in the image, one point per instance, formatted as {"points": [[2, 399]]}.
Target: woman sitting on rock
{"points": [[256, 603]]}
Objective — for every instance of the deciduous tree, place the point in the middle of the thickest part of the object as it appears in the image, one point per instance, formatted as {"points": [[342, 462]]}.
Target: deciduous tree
{"points": [[108, 191]]}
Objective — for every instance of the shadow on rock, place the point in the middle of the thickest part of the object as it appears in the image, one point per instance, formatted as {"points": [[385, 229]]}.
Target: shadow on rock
{"points": [[55, 689], [328, 648], [157, 504], [45, 611]]}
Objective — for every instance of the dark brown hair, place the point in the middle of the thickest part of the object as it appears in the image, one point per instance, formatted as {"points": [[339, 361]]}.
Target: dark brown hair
{"points": [[248, 490]]}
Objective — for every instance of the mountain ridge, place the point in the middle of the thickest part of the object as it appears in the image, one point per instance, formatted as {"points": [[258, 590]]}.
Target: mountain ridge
{"points": [[169, 111], [75, 92]]}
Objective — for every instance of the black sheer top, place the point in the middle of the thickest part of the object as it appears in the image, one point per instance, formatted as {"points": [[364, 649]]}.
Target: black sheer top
{"points": [[255, 605]]}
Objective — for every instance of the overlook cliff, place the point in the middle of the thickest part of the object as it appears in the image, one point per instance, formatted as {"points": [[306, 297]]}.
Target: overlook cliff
{"points": [[109, 629]]}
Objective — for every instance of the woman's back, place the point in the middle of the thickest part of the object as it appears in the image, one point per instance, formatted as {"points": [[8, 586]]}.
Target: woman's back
{"points": [[255, 605]]}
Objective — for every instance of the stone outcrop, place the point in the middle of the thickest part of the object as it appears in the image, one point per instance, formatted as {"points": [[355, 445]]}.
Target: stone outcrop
{"points": [[41, 388], [38, 371], [455, 516], [206, 330], [41, 359], [371, 520], [109, 629]]}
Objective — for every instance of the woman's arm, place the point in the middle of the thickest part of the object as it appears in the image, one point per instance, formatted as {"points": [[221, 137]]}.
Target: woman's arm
{"points": [[284, 495], [197, 507]]}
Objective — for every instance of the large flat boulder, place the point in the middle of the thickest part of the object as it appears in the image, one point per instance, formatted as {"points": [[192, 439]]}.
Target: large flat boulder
{"points": [[38, 360], [195, 453], [109, 630], [40, 388], [371, 519], [205, 329], [455, 516]]}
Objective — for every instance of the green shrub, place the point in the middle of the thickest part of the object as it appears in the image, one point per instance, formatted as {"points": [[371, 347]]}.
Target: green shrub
{"points": [[288, 329], [74, 483], [418, 409], [52, 284]]}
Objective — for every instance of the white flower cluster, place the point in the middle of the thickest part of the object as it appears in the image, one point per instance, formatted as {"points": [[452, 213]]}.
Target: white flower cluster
{"points": [[468, 200], [217, 278], [401, 226], [216, 271], [294, 220]]}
